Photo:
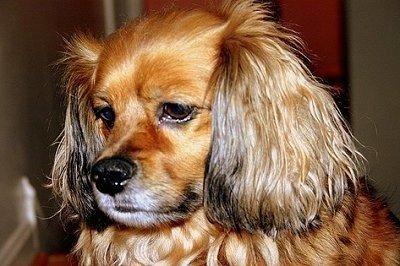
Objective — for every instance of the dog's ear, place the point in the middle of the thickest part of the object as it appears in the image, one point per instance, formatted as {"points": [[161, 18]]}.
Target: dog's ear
{"points": [[280, 151], [80, 140]]}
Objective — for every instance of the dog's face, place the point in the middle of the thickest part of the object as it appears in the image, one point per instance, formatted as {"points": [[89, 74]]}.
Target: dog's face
{"points": [[208, 110], [152, 106], [153, 109]]}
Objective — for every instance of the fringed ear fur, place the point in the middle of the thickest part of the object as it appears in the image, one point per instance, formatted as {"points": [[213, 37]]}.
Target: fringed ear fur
{"points": [[280, 150], [79, 142]]}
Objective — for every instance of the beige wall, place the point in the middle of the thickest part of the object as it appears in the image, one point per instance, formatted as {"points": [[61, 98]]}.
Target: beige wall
{"points": [[374, 58]]}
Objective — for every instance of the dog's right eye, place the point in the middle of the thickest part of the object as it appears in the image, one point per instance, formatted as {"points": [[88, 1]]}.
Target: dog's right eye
{"points": [[107, 115]]}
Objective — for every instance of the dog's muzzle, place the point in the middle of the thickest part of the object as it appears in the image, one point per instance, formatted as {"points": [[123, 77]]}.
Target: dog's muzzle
{"points": [[112, 174]]}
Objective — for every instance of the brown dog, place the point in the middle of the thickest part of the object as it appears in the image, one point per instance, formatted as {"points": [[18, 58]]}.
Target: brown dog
{"points": [[199, 137]]}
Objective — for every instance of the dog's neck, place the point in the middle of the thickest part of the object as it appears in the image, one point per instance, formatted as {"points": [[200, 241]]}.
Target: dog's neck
{"points": [[195, 242]]}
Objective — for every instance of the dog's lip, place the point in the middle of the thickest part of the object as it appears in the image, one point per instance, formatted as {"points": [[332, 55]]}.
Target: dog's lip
{"points": [[127, 208], [123, 208]]}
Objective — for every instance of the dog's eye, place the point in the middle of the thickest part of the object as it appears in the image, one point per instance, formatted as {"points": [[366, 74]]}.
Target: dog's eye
{"points": [[175, 112], [107, 115]]}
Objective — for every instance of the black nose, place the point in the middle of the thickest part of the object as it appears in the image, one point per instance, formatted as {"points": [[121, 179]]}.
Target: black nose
{"points": [[111, 175]]}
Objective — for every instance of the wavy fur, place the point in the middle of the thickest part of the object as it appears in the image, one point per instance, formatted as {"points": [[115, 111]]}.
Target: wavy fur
{"points": [[263, 171], [275, 125]]}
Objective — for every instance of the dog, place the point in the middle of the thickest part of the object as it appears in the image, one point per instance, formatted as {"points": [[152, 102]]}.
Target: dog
{"points": [[199, 137]]}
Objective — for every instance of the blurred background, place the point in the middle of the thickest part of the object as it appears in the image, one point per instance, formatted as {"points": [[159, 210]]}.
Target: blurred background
{"points": [[354, 45]]}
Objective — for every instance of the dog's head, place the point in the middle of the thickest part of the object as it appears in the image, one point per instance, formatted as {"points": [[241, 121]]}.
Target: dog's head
{"points": [[202, 109]]}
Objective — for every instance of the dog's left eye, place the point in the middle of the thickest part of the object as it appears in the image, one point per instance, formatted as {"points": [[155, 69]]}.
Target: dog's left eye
{"points": [[175, 112], [107, 115]]}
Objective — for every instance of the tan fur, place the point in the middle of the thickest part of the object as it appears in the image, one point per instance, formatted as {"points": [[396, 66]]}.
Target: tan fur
{"points": [[264, 172]]}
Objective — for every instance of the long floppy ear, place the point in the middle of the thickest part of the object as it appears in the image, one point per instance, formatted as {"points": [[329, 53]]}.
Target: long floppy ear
{"points": [[281, 153], [80, 140]]}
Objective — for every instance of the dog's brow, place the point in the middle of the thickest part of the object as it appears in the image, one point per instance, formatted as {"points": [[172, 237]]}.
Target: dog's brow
{"points": [[99, 98]]}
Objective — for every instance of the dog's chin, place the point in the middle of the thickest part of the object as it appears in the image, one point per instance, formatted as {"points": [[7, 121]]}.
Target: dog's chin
{"points": [[145, 214], [143, 219]]}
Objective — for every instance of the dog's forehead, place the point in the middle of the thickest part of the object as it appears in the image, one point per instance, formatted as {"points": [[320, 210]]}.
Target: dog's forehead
{"points": [[162, 54]]}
